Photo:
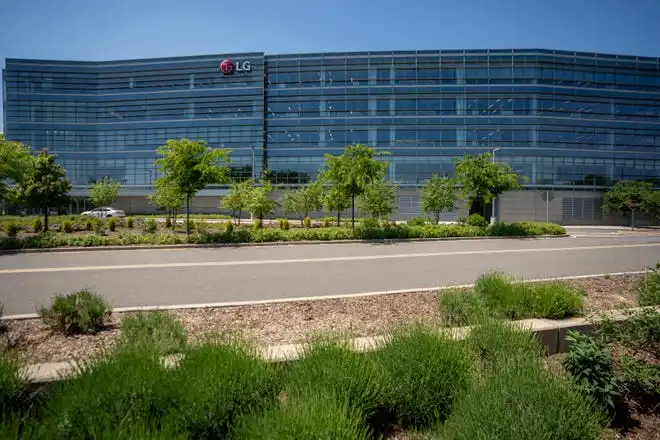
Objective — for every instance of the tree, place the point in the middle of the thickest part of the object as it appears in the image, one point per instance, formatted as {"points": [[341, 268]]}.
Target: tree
{"points": [[104, 192], [191, 166], [168, 198], [651, 204], [352, 172], [378, 200], [623, 194], [15, 160], [482, 180], [438, 195], [44, 185], [303, 200], [260, 202], [335, 200], [237, 199]]}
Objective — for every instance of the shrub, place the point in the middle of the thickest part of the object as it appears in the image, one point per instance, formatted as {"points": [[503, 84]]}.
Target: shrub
{"points": [[592, 366], [556, 300], [112, 224], [459, 307], [416, 221], [13, 229], [334, 369], [121, 387], [461, 220], [99, 226], [476, 220], [284, 224], [648, 291], [229, 227], [218, 382], [498, 345], [37, 225], [327, 222], [307, 222], [129, 222], [13, 383], [428, 372], [641, 378], [521, 403], [518, 229], [68, 226], [82, 311], [158, 329], [168, 222], [312, 416], [89, 225], [369, 223], [149, 226], [639, 332], [256, 224]]}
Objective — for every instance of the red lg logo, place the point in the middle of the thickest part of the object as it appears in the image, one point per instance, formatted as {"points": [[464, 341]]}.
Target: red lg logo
{"points": [[227, 67]]}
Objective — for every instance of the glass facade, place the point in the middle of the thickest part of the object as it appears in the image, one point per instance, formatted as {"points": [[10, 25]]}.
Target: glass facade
{"points": [[559, 118]]}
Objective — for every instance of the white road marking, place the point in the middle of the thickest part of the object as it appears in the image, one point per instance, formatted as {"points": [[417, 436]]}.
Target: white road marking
{"points": [[327, 297], [313, 260]]}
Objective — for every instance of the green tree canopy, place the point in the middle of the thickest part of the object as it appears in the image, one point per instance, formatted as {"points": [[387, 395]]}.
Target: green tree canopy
{"points": [[303, 200], [353, 172], [623, 194], [651, 204], [482, 180], [379, 199], [104, 192], [15, 160], [334, 200], [260, 202], [168, 198], [237, 199], [191, 166], [44, 185], [438, 194]]}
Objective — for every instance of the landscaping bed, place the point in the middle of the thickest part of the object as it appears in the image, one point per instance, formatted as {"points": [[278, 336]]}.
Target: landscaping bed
{"points": [[85, 232], [292, 322]]}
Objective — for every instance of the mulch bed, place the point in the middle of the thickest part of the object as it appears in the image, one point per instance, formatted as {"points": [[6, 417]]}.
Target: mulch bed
{"points": [[273, 324]]}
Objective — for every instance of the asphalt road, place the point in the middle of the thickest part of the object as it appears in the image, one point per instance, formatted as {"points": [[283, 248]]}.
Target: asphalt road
{"points": [[189, 276]]}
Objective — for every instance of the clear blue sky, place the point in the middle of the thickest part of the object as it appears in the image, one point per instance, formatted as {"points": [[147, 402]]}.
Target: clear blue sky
{"points": [[117, 29]]}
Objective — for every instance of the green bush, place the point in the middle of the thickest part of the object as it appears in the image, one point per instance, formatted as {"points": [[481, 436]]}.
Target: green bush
{"points": [[99, 226], [498, 345], [309, 417], [460, 308], [640, 331], [82, 311], [229, 227], [334, 369], [521, 403], [123, 387], [641, 379], [648, 291], [284, 224], [592, 367], [149, 226], [129, 222], [13, 229], [521, 229], [89, 225], [307, 222], [327, 222], [68, 226], [416, 221], [477, 221], [37, 225], [461, 220], [428, 372], [506, 299], [13, 383], [158, 329], [112, 224], [216, 383], [369, 223], [256, 224]]}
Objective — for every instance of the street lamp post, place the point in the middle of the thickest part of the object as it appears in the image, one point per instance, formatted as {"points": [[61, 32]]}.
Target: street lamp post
{"points": [[493, 219]]}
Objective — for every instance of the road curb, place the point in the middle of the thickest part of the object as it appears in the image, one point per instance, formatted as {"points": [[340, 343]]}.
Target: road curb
{"points": [[551, 334], [265, 244], [19, 317]]}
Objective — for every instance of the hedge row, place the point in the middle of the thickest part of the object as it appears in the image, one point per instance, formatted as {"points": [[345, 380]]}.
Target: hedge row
{"points": [[244, 235]]}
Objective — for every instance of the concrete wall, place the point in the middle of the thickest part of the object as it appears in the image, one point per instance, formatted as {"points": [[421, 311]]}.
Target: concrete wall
{"points": [[566, 207]]}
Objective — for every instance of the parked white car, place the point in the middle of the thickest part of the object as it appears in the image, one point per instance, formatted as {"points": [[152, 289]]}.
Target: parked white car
{"points": [[104, 212]]}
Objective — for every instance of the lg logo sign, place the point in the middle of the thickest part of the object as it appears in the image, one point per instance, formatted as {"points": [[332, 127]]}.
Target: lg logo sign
{"points": [[228, 67]]}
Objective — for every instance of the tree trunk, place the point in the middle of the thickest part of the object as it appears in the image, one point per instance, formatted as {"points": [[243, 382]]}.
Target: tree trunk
{"points": [[239, 218], [353, 212], [174, 220], [187, 215], [261, 220], [338, 218], [437, 217], [45, 208]]}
